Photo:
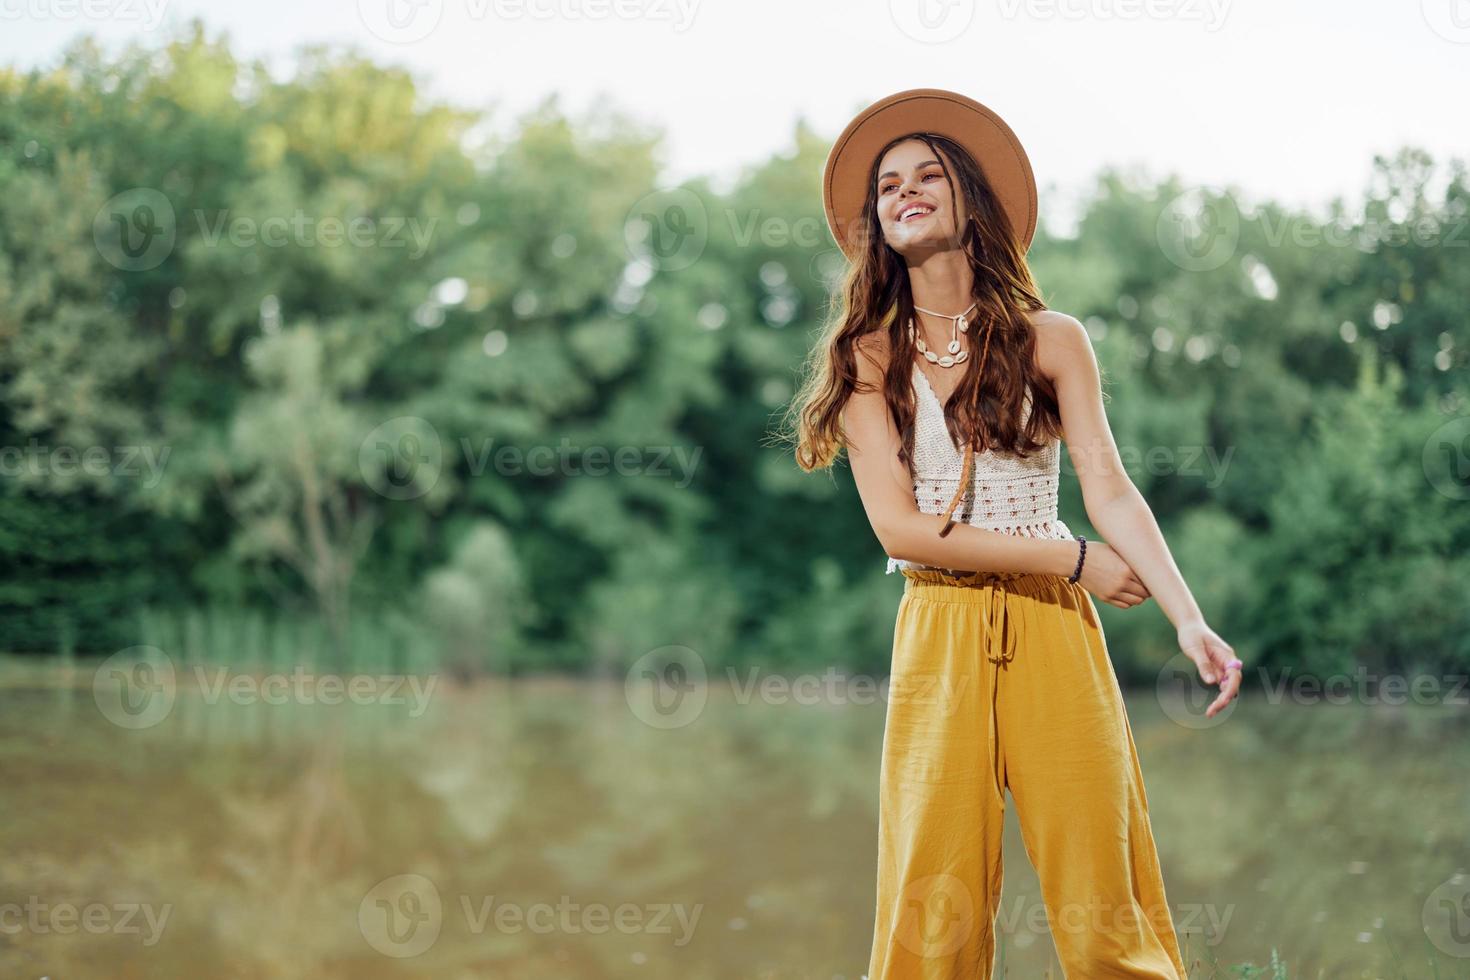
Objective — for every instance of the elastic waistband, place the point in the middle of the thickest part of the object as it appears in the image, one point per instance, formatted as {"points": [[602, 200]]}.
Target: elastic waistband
{"points": [[950, 586]]}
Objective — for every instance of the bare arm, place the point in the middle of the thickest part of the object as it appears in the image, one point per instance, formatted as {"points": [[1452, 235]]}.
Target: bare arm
{"points": [[1114, 504], [886, 488]]}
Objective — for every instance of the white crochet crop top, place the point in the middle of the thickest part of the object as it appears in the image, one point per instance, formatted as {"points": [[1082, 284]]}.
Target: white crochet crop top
{"points": [[1008, 493]]}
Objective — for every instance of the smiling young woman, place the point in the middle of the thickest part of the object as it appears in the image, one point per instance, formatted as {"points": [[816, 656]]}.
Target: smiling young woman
{"points": [[942, 341]]}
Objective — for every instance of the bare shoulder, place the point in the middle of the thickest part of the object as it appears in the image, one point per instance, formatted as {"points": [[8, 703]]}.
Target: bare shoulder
{"points": [[1061, 342], [874, 344], [873, 355]]}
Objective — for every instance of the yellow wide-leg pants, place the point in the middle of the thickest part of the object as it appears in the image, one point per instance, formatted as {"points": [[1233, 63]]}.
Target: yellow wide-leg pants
{"points": [[1003, 680]]}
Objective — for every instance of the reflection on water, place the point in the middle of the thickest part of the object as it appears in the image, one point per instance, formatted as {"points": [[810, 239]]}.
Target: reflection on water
{"points": [[544, 829]]}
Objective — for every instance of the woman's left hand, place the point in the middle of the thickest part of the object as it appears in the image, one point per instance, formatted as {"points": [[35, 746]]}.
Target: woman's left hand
{"points": [[1210, 654]]}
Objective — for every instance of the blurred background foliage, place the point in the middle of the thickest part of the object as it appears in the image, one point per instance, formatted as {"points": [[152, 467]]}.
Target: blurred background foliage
{"points": [[1289, 412]]}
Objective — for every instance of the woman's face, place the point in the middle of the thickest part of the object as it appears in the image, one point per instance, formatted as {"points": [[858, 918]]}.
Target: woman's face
{"points": [[914, 206]]}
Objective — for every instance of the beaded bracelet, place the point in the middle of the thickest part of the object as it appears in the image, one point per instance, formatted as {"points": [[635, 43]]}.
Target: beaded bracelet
{"points": [[1081, 556]]}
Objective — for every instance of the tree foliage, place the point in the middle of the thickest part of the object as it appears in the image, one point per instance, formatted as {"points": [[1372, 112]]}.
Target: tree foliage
{"points": [[386, 355]]}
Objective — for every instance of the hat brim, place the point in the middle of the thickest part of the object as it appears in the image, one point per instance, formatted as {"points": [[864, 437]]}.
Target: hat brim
{"points": [[926, 110]]}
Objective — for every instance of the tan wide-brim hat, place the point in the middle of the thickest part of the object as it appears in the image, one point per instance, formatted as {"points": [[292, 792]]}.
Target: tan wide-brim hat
{"points": [[926, 110]]}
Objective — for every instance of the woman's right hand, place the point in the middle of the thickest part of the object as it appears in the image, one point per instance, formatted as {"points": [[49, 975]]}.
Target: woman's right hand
{"points": [[1106, 575]]}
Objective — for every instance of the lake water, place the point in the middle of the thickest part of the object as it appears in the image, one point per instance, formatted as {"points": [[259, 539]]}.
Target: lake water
{"points": [[554, 828]]}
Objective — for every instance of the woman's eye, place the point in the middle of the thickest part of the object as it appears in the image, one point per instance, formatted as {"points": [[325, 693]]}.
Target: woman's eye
{"points": [[885, 188]]}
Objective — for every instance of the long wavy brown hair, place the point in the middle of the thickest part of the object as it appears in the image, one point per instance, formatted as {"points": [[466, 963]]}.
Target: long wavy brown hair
{"points": [[985, 412]]}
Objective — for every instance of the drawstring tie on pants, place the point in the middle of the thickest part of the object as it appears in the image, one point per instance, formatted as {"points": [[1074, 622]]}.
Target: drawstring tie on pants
{"points": [[997, 633], [995, 623]]}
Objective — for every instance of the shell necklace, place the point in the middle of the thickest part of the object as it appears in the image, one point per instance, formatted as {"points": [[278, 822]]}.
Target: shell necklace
{"points": [[955, 355]]}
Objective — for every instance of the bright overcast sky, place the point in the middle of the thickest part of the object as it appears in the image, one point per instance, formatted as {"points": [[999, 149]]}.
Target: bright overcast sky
{"points": [[1282, 98]]}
